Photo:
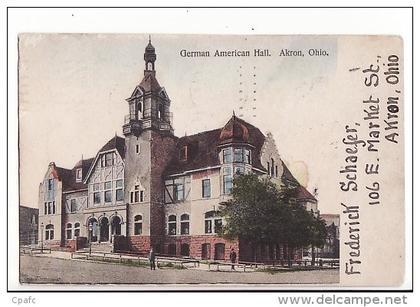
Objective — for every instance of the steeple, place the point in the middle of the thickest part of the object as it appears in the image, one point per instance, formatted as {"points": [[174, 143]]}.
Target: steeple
{"points": [[149, 58], [149, 104]]}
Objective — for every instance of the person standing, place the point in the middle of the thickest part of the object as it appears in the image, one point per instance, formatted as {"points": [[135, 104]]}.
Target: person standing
{"points": [[152, 258], [232, 257]]}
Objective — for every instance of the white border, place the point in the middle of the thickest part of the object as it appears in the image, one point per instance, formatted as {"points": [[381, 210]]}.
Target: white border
{"points": [[195, 21]]}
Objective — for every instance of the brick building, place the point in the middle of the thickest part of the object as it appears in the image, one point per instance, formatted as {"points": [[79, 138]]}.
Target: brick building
{"points": [[152, 188], [28, 225]]}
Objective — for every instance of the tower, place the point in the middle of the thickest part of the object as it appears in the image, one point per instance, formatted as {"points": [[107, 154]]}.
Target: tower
{"points": [[149, 146], [149, 104]]}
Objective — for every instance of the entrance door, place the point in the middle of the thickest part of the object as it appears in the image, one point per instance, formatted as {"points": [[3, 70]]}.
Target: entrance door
{"points": [[219, 250], [116, 226], [104, 229], [92, 227]]}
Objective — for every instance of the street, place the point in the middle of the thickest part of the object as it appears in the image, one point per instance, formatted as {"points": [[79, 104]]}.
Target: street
{"points": [[35, 269]]}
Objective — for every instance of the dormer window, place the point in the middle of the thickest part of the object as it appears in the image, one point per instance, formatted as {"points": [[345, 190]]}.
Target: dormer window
{"points": [[79, 175], [183, 153]]}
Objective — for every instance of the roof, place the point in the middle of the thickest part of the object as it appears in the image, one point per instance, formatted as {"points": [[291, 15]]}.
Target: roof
{"points": [[302, 193], [117, 143], [203, 148], [68, 176], [150, 83]]}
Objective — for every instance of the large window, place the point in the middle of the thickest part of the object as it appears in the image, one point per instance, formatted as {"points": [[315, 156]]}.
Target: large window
{"points": [[50, 207], [108, 191], [212, 222], [227, 180], [237, 155], [138, 225], [227, 155], [172, 225], [205, 188], [49, 232], [185, 224], [96, 194], [119, 192], [69, 231], [76, 229]]}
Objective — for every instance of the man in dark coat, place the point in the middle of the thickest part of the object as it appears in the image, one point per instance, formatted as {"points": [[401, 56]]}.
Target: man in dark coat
{"points": [[152, 258], [232, 257]]}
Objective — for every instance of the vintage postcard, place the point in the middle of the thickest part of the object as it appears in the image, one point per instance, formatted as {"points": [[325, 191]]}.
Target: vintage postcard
{"points": [[218, 161]]}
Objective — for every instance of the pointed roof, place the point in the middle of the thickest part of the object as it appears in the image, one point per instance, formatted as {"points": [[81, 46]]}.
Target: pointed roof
{"points": [[117, 143], [150, 83], [235, 131]]}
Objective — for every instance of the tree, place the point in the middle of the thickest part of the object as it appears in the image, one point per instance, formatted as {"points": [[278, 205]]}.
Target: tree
{"points": [[319, 235], [261, 213]]}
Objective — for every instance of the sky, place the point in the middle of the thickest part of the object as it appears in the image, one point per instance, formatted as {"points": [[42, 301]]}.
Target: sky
{"points": [[72, 91]]}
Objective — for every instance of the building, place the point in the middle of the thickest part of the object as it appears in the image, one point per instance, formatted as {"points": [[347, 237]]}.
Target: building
{"points": [[331, 248], [28, 225], [152, 188]]}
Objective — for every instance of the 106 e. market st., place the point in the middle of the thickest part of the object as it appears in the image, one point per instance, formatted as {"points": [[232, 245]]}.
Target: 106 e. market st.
{"points": [[151, 188]]}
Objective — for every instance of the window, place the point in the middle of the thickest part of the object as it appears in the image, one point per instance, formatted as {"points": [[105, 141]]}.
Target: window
{"points": [[172, 225], [96, 194], [160, 111], [205, 188], [73, 205], [183, 153], [237, 155], [268, 168], [277, 171], [137, 195], [272, 167], [76, 229], [108, 192], [247, 156], [97, 198], [227, 184], [109, 159], [119, 192], [53, 207], [138, 225], [227, 155], [50, 184], [68, 231], [172, 249], [185, 249], [45, 208], [185, 224], [137, 149], [78, 175], [212, 222], [178, 192], [49, 232]]}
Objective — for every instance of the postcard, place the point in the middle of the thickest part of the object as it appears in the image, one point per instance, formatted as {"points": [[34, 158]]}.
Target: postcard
{"points": [[211, 161]]}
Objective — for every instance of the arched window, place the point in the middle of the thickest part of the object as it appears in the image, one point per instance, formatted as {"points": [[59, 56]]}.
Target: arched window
{"points": [[69, 231], [49, 232], [172, 225], [185, 249], [76, 229], [185, 224], [212, 222], [138, 225]]}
